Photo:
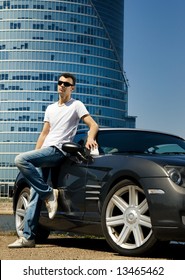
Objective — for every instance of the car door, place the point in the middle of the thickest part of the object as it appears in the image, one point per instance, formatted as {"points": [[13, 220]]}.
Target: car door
{"points": [[71, 182]]}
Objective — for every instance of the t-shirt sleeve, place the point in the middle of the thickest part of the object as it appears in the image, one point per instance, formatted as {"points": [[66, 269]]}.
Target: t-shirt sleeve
{"points": [[81, 109]]}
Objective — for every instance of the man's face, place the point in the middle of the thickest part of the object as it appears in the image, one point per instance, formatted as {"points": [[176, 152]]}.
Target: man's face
{"points": [[65, 87]]}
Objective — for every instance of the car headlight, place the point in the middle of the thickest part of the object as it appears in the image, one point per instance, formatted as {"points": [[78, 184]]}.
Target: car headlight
{"points": [[176, 174]]}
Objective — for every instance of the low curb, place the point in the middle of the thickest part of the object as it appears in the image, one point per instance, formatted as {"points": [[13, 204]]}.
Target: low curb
{"points": [[7, 222]]}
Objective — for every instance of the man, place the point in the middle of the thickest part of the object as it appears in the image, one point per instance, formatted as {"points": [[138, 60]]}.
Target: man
{"points": [[60, 126]]}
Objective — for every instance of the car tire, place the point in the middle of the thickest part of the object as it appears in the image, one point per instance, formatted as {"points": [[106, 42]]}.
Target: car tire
{"points": [[126, 220], [20, 210]]}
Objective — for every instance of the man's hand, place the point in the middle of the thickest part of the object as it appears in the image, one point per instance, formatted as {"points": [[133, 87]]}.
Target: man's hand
{"points": [[91, 144]]}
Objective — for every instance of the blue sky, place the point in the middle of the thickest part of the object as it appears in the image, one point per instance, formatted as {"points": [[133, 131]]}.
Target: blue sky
{"points": [[154, 61]]}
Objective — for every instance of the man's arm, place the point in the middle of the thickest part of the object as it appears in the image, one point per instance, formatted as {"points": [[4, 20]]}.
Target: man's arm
{"points": [[93, 129], [42, 136]]}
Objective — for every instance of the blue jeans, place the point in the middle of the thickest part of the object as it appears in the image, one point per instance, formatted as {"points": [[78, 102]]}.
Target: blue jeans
{"points": [[31, 164]]}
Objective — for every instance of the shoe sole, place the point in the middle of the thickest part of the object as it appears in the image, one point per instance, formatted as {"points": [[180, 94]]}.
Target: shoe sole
{"points": [[23, 246]]}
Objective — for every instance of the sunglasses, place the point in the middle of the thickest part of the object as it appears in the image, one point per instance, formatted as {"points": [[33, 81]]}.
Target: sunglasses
{"points": [[66, 84]]}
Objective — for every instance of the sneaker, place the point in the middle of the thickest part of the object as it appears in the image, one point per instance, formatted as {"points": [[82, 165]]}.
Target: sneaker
{"points": [[52, 203], [22, 242]]}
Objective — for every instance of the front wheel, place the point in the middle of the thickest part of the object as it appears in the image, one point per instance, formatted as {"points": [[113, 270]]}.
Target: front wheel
{"points": [[126, 220]]}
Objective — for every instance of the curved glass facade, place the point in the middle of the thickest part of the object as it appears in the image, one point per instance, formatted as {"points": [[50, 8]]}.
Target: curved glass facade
{"points": [[38, 41]]}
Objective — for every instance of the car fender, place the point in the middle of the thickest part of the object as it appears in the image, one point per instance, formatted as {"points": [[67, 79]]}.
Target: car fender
{"points": [[128, 167]]}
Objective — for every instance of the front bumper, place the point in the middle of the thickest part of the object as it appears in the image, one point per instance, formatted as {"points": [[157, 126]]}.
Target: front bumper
{"points": [[166, 207]]}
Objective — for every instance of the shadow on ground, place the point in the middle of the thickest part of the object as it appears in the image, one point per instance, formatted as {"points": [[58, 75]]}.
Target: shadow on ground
{"points": [[172, 251]]}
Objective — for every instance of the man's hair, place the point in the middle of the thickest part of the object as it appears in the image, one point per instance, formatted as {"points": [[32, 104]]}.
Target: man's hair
{"points": [[68, 75]]}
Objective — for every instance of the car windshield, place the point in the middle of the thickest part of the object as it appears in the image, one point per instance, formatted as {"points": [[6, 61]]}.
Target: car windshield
{"points": [[139, 142]]}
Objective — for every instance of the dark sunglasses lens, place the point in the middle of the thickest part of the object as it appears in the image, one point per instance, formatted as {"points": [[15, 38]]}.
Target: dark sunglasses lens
{"points": [[66, 84]]}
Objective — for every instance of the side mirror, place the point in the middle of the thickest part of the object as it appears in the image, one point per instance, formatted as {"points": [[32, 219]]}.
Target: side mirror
{"points": [[71, 148], [76, 150]]}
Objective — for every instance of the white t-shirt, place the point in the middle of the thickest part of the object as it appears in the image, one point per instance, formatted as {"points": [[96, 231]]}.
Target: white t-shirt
{"points": [[63, 122]]}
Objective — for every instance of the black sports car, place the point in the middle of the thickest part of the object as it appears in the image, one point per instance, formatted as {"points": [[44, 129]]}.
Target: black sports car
{"points": [[132, 191]]}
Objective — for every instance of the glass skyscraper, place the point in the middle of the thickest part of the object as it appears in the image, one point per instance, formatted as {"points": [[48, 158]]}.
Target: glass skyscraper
{"points": [[40, 40]]}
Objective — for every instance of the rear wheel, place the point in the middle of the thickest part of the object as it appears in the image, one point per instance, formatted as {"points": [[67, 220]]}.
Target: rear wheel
{"points": [[21, 206], [126, 220]]}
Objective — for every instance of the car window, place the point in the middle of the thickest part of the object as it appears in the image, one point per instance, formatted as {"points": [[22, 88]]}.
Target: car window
{"points": [[166, 148], [138, 142]]}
